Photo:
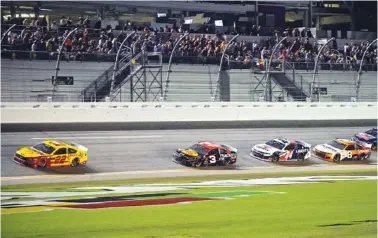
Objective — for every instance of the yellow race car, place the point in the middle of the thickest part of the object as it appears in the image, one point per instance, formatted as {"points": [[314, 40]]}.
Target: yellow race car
{"points": [[52, 153]]}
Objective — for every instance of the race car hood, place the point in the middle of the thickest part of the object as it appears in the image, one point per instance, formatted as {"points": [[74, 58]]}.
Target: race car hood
{"points": [[29, 152], [189, 152], [327, 148], [266, 149]]}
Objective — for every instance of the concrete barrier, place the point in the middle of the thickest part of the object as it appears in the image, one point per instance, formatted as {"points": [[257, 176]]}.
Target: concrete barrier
{"points": [[133, 116]]}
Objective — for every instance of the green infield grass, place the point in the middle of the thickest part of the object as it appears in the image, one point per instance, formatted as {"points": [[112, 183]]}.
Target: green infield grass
{"points": [[329, 209]]}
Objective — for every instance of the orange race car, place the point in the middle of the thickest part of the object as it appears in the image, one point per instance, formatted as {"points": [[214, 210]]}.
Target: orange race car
{"points": [[340, 150]]}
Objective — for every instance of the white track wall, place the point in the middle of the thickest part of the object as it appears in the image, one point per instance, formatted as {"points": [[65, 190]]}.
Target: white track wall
{"points": [[181, 112]]}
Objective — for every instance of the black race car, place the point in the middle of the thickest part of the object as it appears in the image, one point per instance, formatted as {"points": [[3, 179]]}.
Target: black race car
{"points": [[206, 153]]}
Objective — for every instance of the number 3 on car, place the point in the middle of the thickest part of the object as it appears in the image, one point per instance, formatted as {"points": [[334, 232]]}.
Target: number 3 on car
{"points": [[213, 159]]}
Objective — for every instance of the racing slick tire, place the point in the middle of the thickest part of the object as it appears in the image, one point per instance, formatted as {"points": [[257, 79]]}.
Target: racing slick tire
{"points": [[42, 163], [275, 158], [232, 162], [198, 164], [75, 162], [336, 158], [363, 157], [301, 159]]}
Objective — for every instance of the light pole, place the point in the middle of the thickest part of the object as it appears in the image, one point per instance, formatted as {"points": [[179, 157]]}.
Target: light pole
{"points": [[58, 59], [360, 69], [116, 60], [316, 68], [214, 97], [268, 71], [170, 64]]}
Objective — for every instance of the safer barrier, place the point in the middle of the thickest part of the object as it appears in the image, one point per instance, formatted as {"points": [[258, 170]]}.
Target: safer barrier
{"points": [[132, 116]]}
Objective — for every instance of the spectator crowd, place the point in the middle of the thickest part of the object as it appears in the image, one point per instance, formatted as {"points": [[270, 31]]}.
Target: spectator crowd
{"points": [[36, 35]]}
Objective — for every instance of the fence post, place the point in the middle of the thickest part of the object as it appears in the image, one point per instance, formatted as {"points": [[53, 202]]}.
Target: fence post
{"points": [[268, 71], [58, 60], [116, 60], [170, 64], [360, 70], [316, 67], [214, 97]]}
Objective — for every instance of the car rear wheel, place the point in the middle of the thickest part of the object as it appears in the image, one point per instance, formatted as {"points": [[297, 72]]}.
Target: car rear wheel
{"points": [[75, 162], [301, 158], [233, 155], [363, 157], [336, 158], [42, 163]]}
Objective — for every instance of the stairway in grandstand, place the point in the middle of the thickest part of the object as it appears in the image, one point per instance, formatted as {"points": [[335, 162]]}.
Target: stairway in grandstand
{"points": [[290, 86], [286, 79], [101, 87]]}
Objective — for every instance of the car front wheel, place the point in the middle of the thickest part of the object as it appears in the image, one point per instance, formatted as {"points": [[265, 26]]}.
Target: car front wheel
{"points": [[275, 158], [336, 158]]}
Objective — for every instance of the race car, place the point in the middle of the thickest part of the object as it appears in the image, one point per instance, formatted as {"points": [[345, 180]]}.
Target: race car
{"points": [[341, 149], [52, 153], [281, 149], [367, 138], [205, 153]]}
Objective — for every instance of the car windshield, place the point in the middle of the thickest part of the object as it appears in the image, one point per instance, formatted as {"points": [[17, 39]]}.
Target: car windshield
{"points": [[199, 149], [336, 145], [276, 144], [44, 148]]}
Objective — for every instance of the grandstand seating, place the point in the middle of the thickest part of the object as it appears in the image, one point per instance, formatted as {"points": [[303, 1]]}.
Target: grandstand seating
{"points": [[191, 82], [341, 86], [32, 80]]}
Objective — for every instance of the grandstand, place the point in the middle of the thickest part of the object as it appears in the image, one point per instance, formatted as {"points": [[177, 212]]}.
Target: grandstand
{"points": [[30, 49]]}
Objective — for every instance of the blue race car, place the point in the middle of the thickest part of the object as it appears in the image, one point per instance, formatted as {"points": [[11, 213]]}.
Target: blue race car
{"points": [[367, 138]]}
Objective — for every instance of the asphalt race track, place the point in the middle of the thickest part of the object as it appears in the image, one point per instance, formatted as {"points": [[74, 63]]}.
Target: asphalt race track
{"points": [[151, 151]]}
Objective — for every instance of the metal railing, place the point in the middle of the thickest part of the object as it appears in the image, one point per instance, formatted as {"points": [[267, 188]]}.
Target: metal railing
{"points": [[177, 59], [309, 66], [19, 80], [52, 56], [135, 68]]}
